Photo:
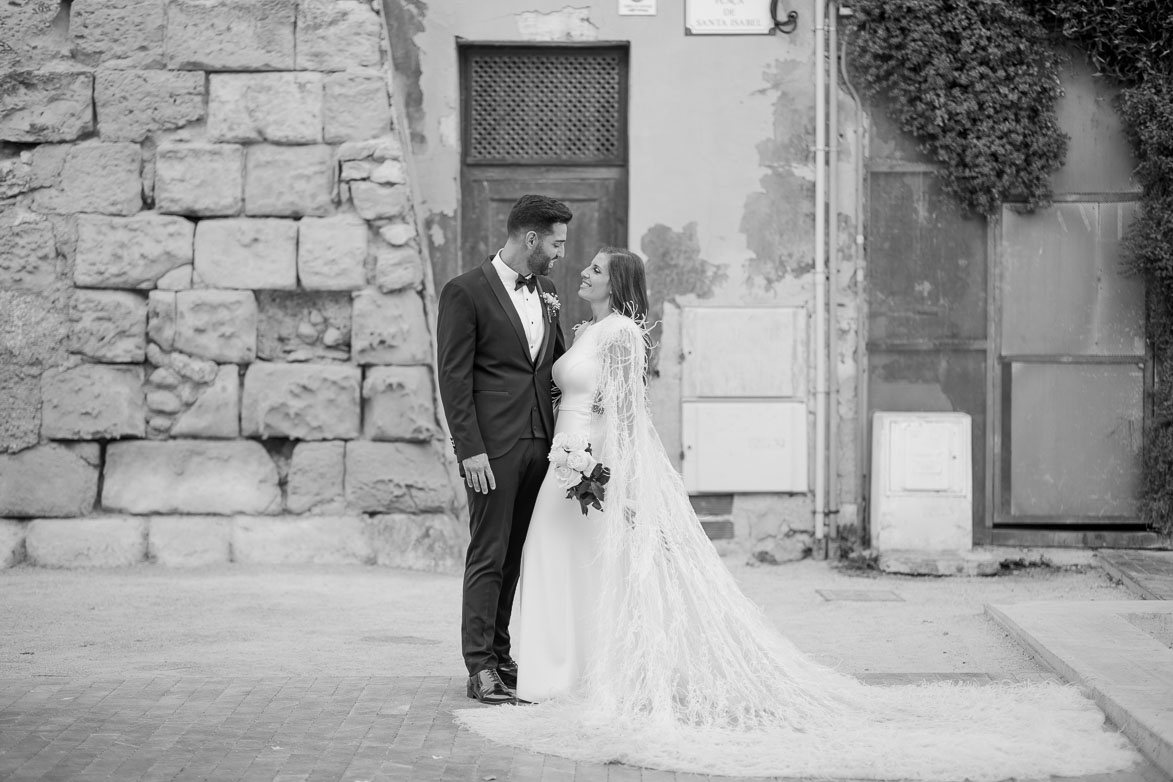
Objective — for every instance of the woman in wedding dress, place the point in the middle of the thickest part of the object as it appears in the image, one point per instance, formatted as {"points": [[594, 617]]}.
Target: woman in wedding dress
{"points": [[639, 648]]}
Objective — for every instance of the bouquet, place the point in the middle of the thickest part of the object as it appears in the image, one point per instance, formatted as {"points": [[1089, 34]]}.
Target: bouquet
{"points": [[577, 471]]}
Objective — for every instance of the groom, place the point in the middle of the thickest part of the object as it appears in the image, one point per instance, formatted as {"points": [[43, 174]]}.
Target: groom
{"points": [[497, 337]]}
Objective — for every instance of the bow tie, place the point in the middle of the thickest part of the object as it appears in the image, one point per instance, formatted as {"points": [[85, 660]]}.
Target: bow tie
{"points": [[530, 282]]}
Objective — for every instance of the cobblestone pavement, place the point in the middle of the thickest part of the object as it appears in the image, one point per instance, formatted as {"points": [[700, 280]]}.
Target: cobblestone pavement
{"points": [[1148, 574], [287, 730]]}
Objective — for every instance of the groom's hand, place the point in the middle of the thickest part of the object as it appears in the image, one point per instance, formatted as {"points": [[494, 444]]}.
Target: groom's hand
{"points": [[478, 474]]}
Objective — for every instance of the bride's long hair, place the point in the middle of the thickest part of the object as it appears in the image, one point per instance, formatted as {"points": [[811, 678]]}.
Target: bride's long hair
{"points": [[629, 287]]}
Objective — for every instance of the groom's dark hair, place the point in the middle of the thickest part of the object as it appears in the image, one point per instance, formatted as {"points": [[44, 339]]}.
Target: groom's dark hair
{"points": [[536, 213]]}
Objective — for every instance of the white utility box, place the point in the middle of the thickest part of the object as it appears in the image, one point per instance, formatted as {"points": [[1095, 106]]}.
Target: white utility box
{"points": [[922, 482], [744, 446]]}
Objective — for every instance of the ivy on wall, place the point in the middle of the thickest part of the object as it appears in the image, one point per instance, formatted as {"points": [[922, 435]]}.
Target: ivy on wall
{"points": [[974, 83]]}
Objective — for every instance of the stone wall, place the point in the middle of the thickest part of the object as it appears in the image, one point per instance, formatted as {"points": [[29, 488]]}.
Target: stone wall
{"points": [[213, 342]]}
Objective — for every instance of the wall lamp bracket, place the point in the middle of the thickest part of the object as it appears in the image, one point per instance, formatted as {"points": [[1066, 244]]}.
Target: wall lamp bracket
{"points": [[789, 25]]}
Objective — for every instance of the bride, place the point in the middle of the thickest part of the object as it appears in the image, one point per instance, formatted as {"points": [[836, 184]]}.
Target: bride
{"points": [[638, 647]]}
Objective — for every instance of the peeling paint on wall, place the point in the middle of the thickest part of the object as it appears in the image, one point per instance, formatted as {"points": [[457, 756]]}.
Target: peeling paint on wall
{"points": [[675, 267], [405, 19], [569, 24]]}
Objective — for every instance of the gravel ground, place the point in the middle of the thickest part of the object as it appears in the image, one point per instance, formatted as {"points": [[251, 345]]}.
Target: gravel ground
{"points": [[239, 620]]}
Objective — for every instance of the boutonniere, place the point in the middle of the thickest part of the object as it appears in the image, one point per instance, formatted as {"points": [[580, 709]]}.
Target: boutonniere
{"points": [[552, 305]]}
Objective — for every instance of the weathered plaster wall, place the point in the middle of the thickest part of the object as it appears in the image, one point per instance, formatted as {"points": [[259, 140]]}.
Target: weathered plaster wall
{"points": [[721, 167]]}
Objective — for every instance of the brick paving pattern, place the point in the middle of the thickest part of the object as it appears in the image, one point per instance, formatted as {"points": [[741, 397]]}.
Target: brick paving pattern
{"points": [[1148, 574], [379, 729]]}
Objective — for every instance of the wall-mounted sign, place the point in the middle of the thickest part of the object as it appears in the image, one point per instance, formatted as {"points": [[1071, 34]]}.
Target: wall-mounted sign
{"points": [[637, 7], [727, 17]]}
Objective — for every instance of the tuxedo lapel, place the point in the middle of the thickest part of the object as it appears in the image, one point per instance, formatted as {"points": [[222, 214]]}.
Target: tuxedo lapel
{"points": [[548, 339], [506, 303]]}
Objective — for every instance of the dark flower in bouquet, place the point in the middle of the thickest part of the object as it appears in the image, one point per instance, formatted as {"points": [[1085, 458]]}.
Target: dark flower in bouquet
{"points": [[577, 471]]}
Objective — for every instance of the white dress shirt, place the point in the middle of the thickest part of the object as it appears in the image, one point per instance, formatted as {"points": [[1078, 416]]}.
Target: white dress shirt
{"points": [[528, 304]]}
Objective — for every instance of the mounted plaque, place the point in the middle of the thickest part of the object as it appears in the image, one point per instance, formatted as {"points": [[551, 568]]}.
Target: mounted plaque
{"points": [[727, 17]]}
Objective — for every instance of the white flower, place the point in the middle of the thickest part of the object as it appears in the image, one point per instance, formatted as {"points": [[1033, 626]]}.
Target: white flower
{"points": [[566, 477], [558, 456], [559, 440], [575, 441], [551, 301], [579, 460]]}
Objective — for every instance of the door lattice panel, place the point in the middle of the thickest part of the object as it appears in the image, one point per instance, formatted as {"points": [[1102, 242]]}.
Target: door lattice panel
{"points": [[545, 106]]}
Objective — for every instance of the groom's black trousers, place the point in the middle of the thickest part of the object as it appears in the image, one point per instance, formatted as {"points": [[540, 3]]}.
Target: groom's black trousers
{"points": [[498, 522]]}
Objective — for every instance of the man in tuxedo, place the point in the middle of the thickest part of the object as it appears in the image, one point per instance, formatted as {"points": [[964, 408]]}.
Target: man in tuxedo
{"points": [[497, 338]]}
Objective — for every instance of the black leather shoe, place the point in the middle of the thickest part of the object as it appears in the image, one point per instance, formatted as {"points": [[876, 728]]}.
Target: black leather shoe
{"points": [[487, 687], [508, 673]]}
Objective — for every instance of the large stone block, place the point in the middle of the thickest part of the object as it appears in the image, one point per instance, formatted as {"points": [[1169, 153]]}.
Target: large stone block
{"points": [[34, 329], [333, 35], [97, 177], [397, 268], [36, 107], [130, 252], [285, 108], [303, 326], [118, 33], [390, 328], [199, 179], [332, 253], [398, 404], [220, 477], [375, 149], [108, 326], [419, 541], [133, 104], [216, 410], [116, 541], [380, 202], [11, 542], [28, 253], [230, 35], [20, 406], [301, 401], [315, 480], [253, 253], [396, 477], [31, 37], [189, 541], [216, 325], [289, 540], [289, 181], [93, 402], [54, 479], [357, 106]]}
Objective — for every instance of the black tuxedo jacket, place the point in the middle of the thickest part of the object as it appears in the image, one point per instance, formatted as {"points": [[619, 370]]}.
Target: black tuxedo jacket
{"points": [[488, 384]]}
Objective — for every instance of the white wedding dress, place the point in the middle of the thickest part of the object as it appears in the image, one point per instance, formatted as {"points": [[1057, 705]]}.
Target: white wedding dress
{"points": [[641, 649]]}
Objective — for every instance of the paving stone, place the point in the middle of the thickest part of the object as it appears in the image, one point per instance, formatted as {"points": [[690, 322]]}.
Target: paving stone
{"points": [[93, 402], [390, 328], [380, 202], [97, 177], [419, 541], [54, 479], [301, 401], [356, 106], [289, 181], [315, 481], [118, 33], [36, 106], [130, 252], [399, 404], [216, 325], [189, 541], [133, 104], [115, 541], [230, 35], [222, 477], [285, 108], [11, 543], [397, 268], [246, 252], [396, 477], [199, 179], [332, 253], [303, 325], [289, 540], [334, 35], [28, 252], [216, 410], [109, 326]]}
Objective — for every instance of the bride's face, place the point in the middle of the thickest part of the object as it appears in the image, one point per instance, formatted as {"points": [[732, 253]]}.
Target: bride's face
{"points": [[596, 281]]}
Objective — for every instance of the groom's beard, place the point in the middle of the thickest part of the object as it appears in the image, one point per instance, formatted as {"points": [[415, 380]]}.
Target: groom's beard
{"points": [[538, 262]]}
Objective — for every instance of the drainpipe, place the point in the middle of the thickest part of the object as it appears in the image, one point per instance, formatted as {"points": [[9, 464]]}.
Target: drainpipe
{"points": [[833, 275], [820, 279]]}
